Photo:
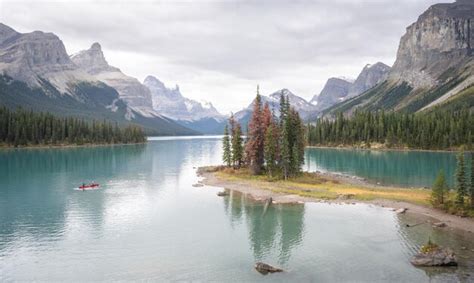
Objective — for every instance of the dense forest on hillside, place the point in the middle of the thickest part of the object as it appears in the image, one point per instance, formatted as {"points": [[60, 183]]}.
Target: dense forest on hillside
{"points": [[25, 128], [436, 130]]}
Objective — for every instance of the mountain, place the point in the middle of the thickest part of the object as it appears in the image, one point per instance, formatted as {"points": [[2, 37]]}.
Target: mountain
{"points": [[306, 110], [36, 56], [370, 76], [334, 91], [136, 95], [199, 116], [337, 90], [434, 65], [38, 74]]}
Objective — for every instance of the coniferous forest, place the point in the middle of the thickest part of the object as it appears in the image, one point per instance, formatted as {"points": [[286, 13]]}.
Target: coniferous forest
{"points": [[274, 146], [27, 128], [436, 130]]}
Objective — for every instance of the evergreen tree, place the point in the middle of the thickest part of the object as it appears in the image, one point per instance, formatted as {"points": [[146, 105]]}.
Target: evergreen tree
{"points": [[237, 146], [471, 191], [22, 128], [460, 180], [434, 130], [227, 154], [439, 189], [271, 147], [256, 137]]}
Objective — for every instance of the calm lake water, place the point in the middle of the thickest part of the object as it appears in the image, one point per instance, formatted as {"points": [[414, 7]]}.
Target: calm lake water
{"points": [[399, 168], [148, 222]]}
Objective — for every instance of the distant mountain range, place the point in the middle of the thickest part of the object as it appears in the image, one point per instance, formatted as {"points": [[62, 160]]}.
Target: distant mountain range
{"points": [[434, 66], [306, 110], [37, 73], [433, 70], [337, 90]]}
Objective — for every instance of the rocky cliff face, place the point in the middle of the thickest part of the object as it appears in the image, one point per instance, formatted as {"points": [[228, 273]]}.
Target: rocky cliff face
{"points": [[171, 103], [136, 95], [434, 65], [337, 90], [370, 76], [442, 38], [30, 57], [36, 73]]}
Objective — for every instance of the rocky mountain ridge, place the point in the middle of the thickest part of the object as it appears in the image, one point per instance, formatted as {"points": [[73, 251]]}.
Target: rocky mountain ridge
{"points": [[171, 103], [37, 73], [306, 110], [136, 95], [337, 90], [434, 65]]}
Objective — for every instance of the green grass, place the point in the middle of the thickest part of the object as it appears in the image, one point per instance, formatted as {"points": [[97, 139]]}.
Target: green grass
{"points": [[319, 187]]}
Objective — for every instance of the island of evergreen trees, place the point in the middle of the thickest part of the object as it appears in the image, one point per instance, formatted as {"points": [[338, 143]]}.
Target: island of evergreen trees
{"points": [[27, 128], [436, 130], [273, 145], [461, 201]]}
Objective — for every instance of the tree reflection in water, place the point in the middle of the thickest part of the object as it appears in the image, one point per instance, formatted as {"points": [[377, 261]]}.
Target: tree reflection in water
{"points": [[279, 229]]}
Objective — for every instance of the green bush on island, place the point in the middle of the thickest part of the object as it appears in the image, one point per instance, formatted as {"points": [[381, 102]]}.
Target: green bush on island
{"points": [[429, 247], [461, 200]]}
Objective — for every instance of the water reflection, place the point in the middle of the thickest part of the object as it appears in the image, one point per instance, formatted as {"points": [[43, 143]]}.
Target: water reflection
{"points": [[36, 188], [279, 227]]}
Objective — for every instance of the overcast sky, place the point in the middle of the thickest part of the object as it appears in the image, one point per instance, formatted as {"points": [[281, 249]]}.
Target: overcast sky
{"points": [[220, 50]]}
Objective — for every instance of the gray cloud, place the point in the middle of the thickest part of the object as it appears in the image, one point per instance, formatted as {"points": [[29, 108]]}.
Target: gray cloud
{"points": [[218, 49]]}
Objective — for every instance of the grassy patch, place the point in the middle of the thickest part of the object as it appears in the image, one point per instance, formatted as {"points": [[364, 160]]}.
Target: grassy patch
{"points": [[320, 187]]}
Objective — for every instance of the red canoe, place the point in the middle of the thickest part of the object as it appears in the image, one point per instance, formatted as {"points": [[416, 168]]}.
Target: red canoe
{"points": [[89, 186]]}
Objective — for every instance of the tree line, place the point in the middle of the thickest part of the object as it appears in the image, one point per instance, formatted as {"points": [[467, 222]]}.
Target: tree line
{"points": [[22, 128], [463, 198], [274, 145], [436, 130]]}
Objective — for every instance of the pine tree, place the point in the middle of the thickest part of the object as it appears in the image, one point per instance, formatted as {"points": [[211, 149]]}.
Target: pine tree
{"points": [[237, 147], [256, 137], [460, 180], [439, 189], [227, 155], [471, 191], [285, 152], [271, 140]]}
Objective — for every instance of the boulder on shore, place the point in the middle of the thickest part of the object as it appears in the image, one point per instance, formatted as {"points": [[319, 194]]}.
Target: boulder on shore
{"points": [[436, 257], [264, 268]]}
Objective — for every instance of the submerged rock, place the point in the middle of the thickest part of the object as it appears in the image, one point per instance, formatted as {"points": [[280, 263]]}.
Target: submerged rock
{"points": [[264, 268], [401, 210], [436, 257], [439, 224], [223, 193]]}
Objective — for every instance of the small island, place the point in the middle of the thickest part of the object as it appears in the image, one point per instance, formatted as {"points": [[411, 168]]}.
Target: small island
{"points": [[268, 166]]}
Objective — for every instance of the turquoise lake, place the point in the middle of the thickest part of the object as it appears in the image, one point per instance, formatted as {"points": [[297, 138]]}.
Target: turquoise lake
{"points": [[399, 168], [147, 222]]}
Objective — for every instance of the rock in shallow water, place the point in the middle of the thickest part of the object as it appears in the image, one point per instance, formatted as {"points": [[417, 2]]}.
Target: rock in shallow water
{"points": [[223, 193], [401, 210], [264, 268], [438, 257]]}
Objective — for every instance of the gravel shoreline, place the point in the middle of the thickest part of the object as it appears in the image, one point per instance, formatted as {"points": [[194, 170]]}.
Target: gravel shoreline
{"points": [[262, 193]]}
